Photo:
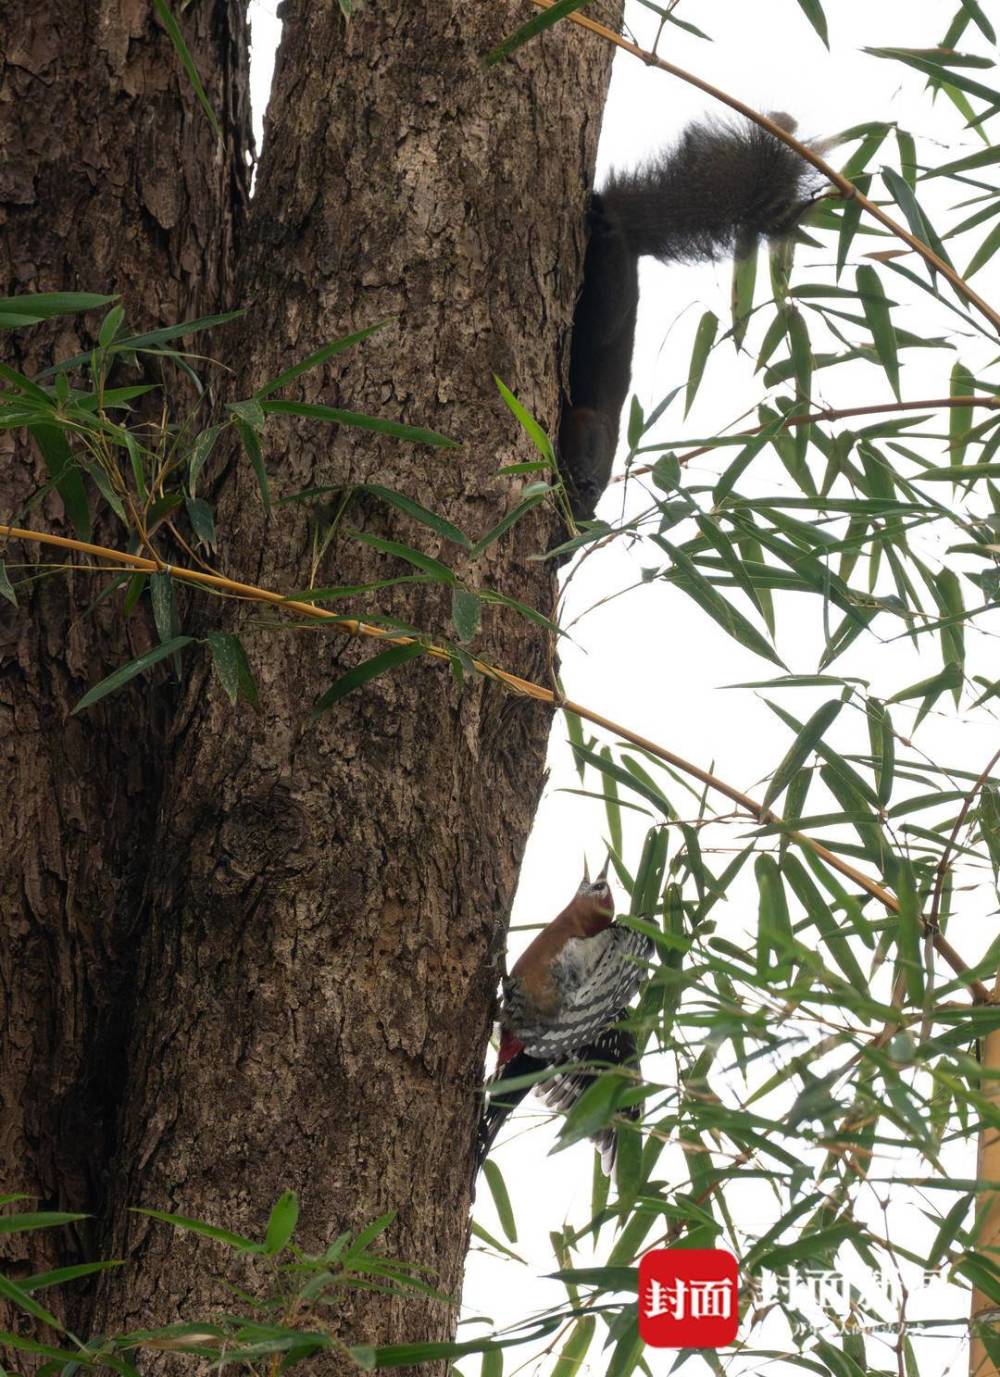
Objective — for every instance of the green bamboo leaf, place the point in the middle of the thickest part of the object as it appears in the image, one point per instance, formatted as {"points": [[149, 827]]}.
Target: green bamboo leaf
{"points": [[523, 609], [802, 361], [628, 1350], [135, 460], [985, 251], [23, 1301], [949, 1229], [230, 663], [66, 477], [801, 748], [915, 216], [466, 614], [313, 411], [963, 384], [850, 221], [909, 931], [528, 424], [121, 677], [939, 73], [612, 806], [425, 563], [161, 592], [110, 326], [492, 1364], [930, 690], [413, 509], [149, 342], [103, 484], [986, 157], [479, 1232], [506, 522], [774, 926], [820, 1245], [744, 281], [612, 770], [745, 457], [813, 11], [6, 587], [202, 521], [877, 311], [823, 918], [33, 307], [988, 819], [46, 1219], [63, 1274], [187, 62], [501, 1199], [165, 618], [133, 592], [527, 31], [708, 329], [364, 672], [907, 156], [883, 744], [198, 1226], [252, 449], [574, 1350], [201, 448], [975, 12], [281, 1223], [593, 1110], [952, 473], [697, 587], [328, 351], [67, 1359]]}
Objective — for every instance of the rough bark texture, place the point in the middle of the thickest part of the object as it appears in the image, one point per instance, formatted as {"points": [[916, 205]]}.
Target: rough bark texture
{"points": [[311, 967], [329, 898], [111, 180]]}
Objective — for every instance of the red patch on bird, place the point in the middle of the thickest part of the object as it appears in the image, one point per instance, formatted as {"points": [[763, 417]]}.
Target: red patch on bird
{"points": [[509, 1047]]}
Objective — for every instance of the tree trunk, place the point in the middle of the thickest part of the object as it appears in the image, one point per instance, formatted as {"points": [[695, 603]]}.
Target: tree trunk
{"points": [[329, 896], [316, 947], [111, 180]]}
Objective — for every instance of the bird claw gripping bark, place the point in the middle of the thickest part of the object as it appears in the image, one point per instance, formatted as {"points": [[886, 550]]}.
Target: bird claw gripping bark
{"points": [[562, 1003]]}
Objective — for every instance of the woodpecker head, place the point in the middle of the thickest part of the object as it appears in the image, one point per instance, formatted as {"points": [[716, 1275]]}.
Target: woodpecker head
{"points": [[594, 902]]}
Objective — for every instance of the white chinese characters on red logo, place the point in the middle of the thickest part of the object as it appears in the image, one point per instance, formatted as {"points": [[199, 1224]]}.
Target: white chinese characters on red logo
{"points": [[688, 1298]]}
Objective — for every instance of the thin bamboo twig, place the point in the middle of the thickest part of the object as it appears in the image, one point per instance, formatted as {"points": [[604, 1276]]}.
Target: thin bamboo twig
{"points": [[827, 414], [350, 626], [843, 184]]}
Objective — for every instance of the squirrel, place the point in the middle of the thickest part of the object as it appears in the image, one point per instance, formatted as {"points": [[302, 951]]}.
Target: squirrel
{"points": [[719, 190]]}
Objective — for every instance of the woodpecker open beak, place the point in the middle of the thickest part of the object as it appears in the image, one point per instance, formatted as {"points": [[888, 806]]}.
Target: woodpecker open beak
{"points": [[603, 873]]}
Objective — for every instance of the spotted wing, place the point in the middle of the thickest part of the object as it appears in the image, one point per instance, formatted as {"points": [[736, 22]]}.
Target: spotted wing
{"points": [[613, 1047], [596, 978]]}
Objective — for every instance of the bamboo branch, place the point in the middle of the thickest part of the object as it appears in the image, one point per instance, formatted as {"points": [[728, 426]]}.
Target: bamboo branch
{"points": [[350, 626], [846, 187], [827, 414]]}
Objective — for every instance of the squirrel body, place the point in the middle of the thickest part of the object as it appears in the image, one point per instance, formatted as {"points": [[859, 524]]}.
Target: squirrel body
{"points": [[719, 190]]}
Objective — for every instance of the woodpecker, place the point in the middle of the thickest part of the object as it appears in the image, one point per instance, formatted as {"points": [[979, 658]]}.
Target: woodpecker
{"points": [[561, 1002]]}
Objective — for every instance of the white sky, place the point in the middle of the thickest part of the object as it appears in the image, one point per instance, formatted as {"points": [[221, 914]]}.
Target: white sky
{"points": [[652, 660]]}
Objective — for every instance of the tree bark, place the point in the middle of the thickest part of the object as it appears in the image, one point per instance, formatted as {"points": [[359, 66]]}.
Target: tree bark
{"points": [[328, 898], [257, 952], [111, 180]]}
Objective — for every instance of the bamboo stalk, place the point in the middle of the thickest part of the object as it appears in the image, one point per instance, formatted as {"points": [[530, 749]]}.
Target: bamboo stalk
{"points": [[987, 1229], [827, 414], [350, 626]]}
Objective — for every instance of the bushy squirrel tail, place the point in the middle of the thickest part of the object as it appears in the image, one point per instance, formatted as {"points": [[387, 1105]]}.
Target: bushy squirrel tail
{"points": [[718, 191]]}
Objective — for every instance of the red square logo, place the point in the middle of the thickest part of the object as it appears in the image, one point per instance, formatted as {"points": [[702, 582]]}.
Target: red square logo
{"points": [[688, 1298]]}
